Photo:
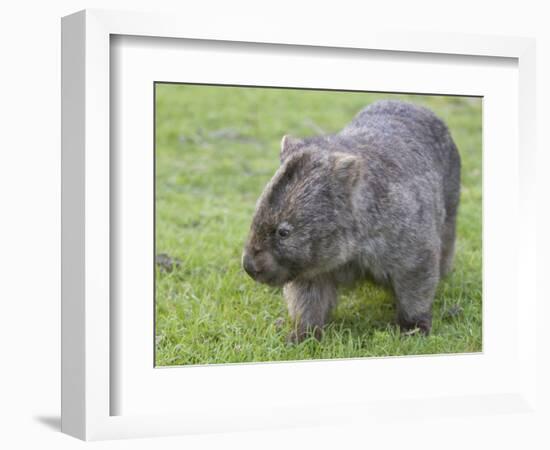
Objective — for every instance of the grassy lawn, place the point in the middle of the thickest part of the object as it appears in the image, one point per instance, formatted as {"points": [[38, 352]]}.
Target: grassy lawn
{"points": [[216, 148]]}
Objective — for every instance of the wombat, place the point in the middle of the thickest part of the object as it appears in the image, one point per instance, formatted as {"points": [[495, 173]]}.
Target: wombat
{"points": [[377, 200]]}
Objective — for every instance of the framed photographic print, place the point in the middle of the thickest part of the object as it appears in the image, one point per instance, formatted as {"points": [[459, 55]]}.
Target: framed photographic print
{"points": [[213, 160], [267, 229]]}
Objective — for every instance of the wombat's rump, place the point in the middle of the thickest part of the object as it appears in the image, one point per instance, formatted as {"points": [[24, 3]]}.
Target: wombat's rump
{"points": [[377, 199]]}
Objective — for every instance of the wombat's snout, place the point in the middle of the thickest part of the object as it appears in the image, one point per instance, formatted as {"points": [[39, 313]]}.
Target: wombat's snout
{"points": [[263, 268], [249, 266]]}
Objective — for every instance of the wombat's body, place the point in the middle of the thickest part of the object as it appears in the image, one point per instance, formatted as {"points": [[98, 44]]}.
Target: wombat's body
{"points": [[377, 199]]}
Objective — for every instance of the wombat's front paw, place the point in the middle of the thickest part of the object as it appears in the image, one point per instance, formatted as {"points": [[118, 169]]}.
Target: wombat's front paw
{"points": [[421, 324], [300, 334]]}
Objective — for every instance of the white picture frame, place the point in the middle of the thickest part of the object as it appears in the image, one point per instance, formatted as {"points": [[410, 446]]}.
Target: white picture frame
{"points": [[88, 329]]}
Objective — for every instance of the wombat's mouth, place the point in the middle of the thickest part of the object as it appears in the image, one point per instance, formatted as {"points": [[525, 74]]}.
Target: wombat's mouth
{"points": [[271, 280]]}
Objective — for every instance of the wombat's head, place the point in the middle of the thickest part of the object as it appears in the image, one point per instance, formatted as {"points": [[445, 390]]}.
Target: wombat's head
{"points": [[303, 225]]}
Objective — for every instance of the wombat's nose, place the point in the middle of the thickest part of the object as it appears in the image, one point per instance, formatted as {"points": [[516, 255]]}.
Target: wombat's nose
{"points": [[249, 266]]}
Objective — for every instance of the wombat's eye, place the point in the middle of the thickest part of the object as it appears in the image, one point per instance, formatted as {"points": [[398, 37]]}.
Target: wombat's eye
{"points": [[284, 230]]}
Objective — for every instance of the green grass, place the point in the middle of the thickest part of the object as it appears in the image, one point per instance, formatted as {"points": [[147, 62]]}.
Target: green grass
{"points": [[216, 148]]}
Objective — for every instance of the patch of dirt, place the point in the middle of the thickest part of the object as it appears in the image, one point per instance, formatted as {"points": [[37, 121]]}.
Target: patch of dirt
{"points": [[166, 263]]}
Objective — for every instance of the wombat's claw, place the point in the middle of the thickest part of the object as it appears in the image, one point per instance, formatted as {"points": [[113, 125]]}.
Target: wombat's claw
{"points": [[297, 336], [421, 326], [294, 338], [411, 332], [418, 330]]}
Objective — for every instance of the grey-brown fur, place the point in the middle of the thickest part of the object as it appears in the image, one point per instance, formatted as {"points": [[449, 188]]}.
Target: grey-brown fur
{"points": [[378, 199]]}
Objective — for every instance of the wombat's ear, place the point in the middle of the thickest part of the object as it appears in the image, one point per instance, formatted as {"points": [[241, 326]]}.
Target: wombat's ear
{"points": [[346, 168], [289, 144]]}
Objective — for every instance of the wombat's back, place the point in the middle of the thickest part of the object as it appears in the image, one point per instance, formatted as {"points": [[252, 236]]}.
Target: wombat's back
{"points": [[404, 131], [380, 114], [409, 138]]}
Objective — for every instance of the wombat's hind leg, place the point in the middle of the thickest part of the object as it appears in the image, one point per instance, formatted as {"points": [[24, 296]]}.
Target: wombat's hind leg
{"points": [[414, 292], [448, 245], [309, 305], [452, 199]]}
